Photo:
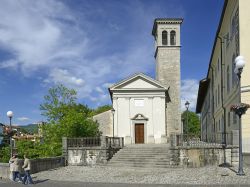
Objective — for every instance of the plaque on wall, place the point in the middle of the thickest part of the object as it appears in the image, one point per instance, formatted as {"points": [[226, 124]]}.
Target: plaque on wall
{"points": [[139, 102]]}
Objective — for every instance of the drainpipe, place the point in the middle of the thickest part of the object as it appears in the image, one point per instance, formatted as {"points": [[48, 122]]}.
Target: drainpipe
{"points": [[222, 92]]}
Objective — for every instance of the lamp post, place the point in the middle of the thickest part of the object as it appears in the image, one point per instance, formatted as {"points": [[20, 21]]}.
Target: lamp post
{"points": [[239, 64], [187, 106], [10, 115], [113, 113]]}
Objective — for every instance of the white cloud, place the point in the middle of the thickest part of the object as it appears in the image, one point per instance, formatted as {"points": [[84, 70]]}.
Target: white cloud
{"points": [[189, 90], [48, 39], [63, 76], [32, 32], [23, 119]]}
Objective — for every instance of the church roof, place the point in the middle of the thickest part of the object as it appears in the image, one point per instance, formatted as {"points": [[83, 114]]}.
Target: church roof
{"points": [[139, 82], [136, 76]]}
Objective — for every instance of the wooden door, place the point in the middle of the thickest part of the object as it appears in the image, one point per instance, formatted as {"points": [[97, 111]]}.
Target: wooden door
{"points": [[139, 133]]}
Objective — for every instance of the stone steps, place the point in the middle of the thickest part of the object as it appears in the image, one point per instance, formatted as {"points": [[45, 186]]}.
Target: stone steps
{"points": [[142, 156]]}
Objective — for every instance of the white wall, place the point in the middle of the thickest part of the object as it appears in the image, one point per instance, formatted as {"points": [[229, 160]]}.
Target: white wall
{"points": [[153, 109]]}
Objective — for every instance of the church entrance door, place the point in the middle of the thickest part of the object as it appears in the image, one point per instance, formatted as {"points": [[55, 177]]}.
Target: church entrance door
{"points": [[139, 133]]}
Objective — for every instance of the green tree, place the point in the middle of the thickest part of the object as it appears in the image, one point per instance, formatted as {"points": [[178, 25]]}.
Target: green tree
{"points": [[58, 98], [65, 117], [38, 150], [5, 154], [101, 109], [193, 123], [75, 122]]}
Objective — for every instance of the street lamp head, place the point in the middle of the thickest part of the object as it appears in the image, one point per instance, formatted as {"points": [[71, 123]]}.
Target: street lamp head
{"points": [[187, 105], [239, 64], [10, 114], [113, 111]]}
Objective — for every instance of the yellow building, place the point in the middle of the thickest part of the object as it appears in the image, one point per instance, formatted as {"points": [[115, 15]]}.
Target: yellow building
{"points": [[220, 89]]}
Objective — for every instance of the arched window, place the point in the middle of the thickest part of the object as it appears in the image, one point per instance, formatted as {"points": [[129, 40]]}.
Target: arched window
{"points": [[164, 38], [234, 78], [228, 118], [172, 38], [228, 80]]}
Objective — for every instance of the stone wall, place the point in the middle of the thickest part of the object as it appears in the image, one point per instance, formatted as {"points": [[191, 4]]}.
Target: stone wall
{"points": [[246, 159], [87, 156], [37, 165], [168, 65], [105, 121], [43, 164], [203, 156], [4, 170], [76, 154]]}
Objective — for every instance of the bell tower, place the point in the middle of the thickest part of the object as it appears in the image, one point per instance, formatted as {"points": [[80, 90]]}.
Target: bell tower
{"points": [[166, 32]]}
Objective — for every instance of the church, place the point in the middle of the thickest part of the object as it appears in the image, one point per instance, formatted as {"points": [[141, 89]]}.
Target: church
{"points": [[147, 110]]}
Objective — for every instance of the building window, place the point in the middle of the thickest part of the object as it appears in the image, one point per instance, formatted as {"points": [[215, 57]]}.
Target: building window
{"points": [[228, 80], [218, 94], [218, 65], [219, 125], [234, 118], [172, 38], [215, 98], [228, 119], [222, 123], [227, 40], [234, 24], [234, 76], [164, 38]]}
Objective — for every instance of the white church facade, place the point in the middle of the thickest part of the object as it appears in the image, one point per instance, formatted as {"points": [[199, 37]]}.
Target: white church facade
{"points": [[139, 103], [147, 110]]}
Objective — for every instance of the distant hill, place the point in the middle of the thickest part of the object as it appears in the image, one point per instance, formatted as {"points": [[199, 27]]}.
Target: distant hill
{"points": [[30, 128]]}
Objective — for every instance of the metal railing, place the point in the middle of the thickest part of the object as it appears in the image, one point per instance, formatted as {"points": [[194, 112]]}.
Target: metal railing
{"points": [[84, 142], [220, 138], [107, 142], [114, 142], [191, 140]]}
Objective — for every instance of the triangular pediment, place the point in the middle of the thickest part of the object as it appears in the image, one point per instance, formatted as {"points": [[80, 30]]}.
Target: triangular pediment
{"points": [[138, 81], [139, 117]]}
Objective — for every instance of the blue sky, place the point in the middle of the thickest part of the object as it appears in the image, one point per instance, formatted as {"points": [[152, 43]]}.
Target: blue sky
{"points": [[90, 44]]}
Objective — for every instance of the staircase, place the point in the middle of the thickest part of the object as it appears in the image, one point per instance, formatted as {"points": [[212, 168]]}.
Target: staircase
{"points": [[142, 155]]}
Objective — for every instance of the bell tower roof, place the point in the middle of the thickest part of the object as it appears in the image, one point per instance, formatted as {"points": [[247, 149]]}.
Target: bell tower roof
{"points": [[165, 21]]}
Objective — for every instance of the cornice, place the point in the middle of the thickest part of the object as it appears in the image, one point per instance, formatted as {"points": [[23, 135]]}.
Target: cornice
{"points": [[165, 46], [165, 21]]}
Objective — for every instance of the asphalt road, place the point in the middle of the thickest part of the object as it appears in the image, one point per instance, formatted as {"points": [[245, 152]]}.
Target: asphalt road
{"points": [[50, 183]]}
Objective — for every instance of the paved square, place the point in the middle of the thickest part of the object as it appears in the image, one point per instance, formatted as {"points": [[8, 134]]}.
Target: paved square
{"points": [[105, 174]]}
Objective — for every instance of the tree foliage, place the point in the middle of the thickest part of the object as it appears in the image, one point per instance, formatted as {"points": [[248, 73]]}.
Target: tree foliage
{"points": [[101, 109], [66, 118], [31, 149], [56, 102], [4, 154], [37, 149], [193, 125]]}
